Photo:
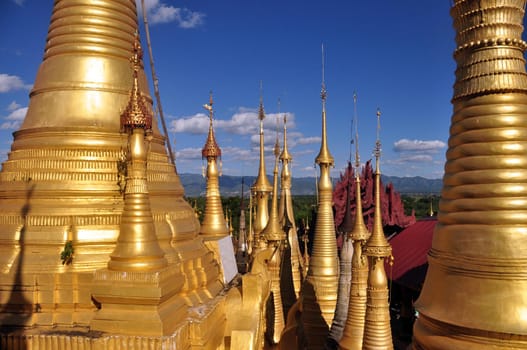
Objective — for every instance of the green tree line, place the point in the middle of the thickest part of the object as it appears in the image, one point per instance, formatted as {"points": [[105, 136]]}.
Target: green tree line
{"points": [[303, 207]]}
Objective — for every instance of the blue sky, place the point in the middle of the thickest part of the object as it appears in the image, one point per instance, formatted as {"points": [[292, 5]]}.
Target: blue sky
{"points": [[396, 55]]}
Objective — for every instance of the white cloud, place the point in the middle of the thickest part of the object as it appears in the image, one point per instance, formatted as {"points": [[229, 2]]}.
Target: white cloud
{"points": [[194, 124], [236, 153], [430, 146], [12, 82], [246, 122], [15, 118], [243, 122], [416, 158], [159, 12], [188, 153], [18, 114], [13, 106], [308, 140], [10, 125], [19, 2]]}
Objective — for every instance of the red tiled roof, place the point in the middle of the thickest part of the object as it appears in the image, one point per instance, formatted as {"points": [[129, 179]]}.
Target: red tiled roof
{"points": [[409, 249]]}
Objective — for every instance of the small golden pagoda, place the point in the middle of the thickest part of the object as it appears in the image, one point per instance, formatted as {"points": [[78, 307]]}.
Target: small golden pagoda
{"points": [[214, 223], [137, 266], [353, 332], [216, 230], [474, 295], [287, 217], [260, 189], [377, 330], [319, 290], [275, 237]]}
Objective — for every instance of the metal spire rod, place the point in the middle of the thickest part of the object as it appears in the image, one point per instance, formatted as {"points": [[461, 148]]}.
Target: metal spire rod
{"points": [[323, 92], [356, 123], [156, 86]]}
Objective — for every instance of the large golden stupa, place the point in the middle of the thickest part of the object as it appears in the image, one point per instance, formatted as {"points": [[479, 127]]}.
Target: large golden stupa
{"points": [[95, 250]]}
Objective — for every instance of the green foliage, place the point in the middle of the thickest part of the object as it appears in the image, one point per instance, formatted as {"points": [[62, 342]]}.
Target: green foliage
{"points": [[421, 204], [67, 254], [302, 207]]}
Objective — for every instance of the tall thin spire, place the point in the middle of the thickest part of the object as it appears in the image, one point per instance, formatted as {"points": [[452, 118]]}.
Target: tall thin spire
{"points": [[320, 287], [324, 156], [377, 331], [287, 217], [275, 237], [261, 187], [137, 248], [214, 222], [354, 328]]}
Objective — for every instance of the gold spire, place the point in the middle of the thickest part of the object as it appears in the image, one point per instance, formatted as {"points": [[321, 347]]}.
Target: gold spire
{"points": [[285, 155], [137, 248], [431, 208], [214, 222], [287, 217], [324, 156], [261, 187], [261, 183], [273, 230], [377, 331], [354, 327], [320, 287], [275, 236], [136, 113], [474, 292]]}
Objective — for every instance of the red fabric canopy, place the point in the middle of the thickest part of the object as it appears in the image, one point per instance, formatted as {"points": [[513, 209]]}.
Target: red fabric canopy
{"points": [[409, 249]]}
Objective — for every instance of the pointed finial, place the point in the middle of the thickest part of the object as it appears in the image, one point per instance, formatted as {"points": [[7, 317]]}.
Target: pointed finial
{"points": [[277, 143], [356, 124], [377, 151], [323, 92], [324, 156], [211, 148], [285, 152], [208, 107], [137, 113], [137, 55], [261, 113]]}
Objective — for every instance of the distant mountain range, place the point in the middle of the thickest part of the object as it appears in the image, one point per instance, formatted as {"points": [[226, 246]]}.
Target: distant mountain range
{"points": [[230, 186]]}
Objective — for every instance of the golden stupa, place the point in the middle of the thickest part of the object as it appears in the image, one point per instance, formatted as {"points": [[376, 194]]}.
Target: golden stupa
{"points": [[214, 223], [99, 248], [377, 331], [319, 290], [475, 292], [260, 190], [275, 237], [287, 218]]}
